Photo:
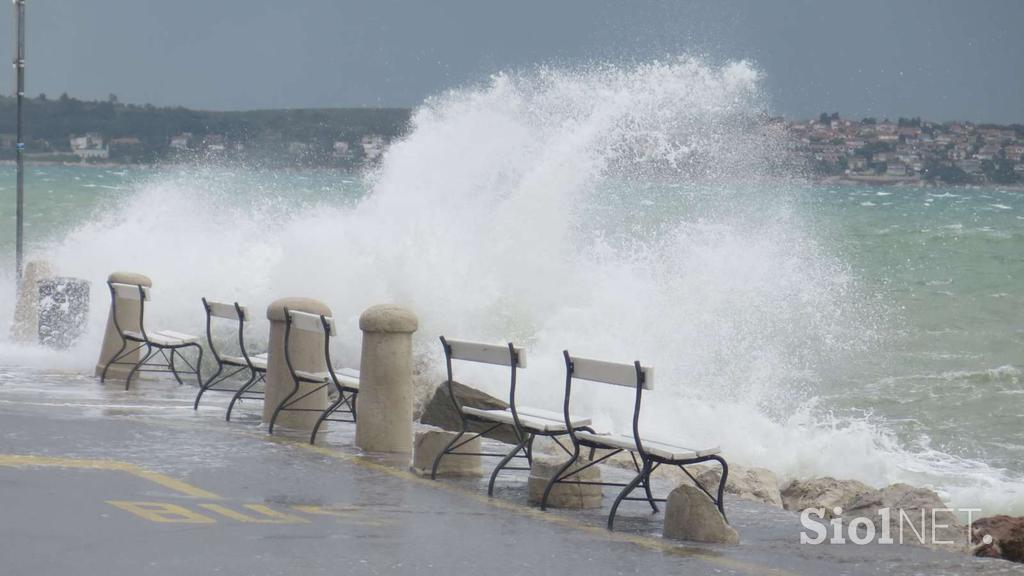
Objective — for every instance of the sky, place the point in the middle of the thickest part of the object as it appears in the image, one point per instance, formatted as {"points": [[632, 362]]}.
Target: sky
{"points": [[940, 60]]}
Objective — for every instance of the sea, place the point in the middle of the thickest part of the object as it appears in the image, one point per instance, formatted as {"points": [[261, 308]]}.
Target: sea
{"points": [[619, 212]]}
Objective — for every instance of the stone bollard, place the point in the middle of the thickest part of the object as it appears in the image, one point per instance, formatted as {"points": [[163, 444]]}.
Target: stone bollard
{"points": [[128, 318], [26, 316], [430, 443], [307, 354], [385, 382], [564, 494]]}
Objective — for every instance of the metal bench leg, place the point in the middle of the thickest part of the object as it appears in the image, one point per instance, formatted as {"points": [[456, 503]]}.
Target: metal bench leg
{"points": [[174, 370], [199, 364], [145, 358], [209, 384], [622, 495], [253, 379], [330, 410], [721, 485], [437, 459], [114, 358], [648, 469], [504, 462], [557, 477], [281, 406]]}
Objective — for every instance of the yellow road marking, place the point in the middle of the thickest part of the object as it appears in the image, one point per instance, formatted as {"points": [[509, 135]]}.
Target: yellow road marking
{"points": [[352, 514], [269, 516], [647, 542], [162, 512], [29, 461]]}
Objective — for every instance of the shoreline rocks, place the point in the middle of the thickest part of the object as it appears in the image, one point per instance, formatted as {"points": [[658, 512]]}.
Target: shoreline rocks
{"points": [[828, 493], [915, 515], [750, 484], [998, 537]]}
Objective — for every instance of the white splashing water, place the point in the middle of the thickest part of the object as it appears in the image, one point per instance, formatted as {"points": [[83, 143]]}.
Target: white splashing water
{"points": [[622, 213]]}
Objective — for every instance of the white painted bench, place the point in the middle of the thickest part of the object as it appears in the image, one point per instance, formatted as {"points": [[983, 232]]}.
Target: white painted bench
{"points": [[652, 452], [157, 343], [528, 422], [345, 380], [231, 365]]}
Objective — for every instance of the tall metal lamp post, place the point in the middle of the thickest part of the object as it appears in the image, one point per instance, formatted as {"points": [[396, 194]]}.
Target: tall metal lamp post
{"points": [[19, 66]]}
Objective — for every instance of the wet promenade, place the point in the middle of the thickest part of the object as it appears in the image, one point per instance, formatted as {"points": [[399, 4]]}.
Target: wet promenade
{"points": [[95, 480]]}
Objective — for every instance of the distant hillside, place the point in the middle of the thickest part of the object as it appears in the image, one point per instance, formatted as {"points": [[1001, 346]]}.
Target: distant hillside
{"points": [[144, 133]]}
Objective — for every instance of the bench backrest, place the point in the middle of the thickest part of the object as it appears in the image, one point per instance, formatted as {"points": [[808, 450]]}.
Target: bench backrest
{"points": [[611, 372], [311, 322], [227, 311], [130, 291], [499, 354], [633, 376], [224, 310], [479, 352]]}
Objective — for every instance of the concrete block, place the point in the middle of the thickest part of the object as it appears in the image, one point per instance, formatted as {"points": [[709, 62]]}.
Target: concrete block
{"points": [[430, 443], [564, 495]]}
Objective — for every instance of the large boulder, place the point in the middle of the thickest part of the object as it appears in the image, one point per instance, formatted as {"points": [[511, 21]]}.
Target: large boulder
{"points": [[691, 515], [827, 493], [919, 512], [998, 537], [439, 411]]}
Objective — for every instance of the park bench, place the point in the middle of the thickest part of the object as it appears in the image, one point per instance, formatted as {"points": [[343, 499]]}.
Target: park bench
{"points": [[527, 422], [231, 365], [345, 381], [652, 453], [157, 344]]}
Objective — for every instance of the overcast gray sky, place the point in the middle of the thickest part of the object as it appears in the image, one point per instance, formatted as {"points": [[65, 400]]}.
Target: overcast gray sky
{"points": [[940, 60]]}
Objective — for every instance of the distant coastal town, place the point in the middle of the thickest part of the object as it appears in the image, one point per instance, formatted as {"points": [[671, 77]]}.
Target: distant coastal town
{"points": [[908, 151]]}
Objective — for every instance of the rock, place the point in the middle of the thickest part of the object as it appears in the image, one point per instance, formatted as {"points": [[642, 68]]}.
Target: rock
{"points": [[440, 411], [430, 443], [564, 495], [753, 484], [691, 515], [915, 510], [827, 493], [998, 537]]}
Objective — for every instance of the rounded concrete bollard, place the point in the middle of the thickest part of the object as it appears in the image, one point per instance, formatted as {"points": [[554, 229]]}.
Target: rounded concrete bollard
{"points": [[26, 310], [307, 353], [128, 318], [385, 381]]}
